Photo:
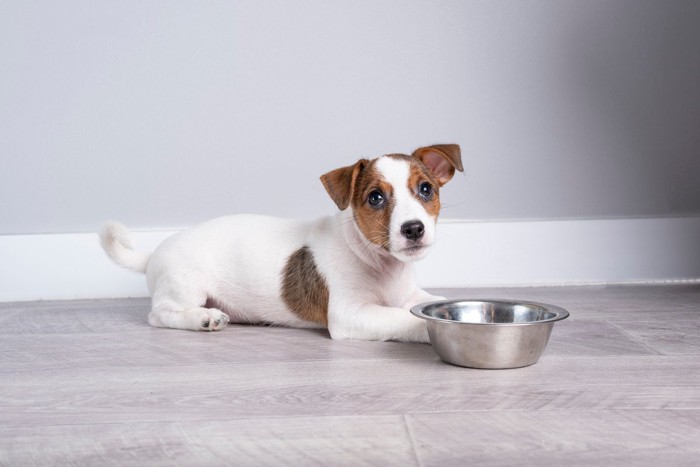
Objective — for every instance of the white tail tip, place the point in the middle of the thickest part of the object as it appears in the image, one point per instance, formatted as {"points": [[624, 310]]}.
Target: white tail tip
{"points": [[115, 239]]}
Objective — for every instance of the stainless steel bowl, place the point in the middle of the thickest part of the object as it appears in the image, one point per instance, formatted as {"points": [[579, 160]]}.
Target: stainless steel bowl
{"points": [[489, 333]]}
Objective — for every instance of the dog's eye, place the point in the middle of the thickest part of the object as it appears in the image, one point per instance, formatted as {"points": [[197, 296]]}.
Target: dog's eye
{"points": [[376, 199], [425, 190]]}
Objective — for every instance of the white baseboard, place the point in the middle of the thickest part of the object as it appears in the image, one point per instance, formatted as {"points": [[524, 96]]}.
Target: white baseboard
{"points": [[563, 252], [467, 254]]}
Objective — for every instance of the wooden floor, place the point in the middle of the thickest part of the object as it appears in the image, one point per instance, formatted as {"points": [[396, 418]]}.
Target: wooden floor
{"points": [[90, 383]]}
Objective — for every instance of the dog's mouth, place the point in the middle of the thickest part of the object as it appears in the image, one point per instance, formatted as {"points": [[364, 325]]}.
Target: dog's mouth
{"points": [[413, 252], [413, 249]]}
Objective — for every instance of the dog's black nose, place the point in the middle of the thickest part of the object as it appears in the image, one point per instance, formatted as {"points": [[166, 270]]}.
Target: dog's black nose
{"points": [[413, 230]]}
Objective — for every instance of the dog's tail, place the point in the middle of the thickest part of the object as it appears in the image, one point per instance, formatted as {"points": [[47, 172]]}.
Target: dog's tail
{"points": [[116, 241]]}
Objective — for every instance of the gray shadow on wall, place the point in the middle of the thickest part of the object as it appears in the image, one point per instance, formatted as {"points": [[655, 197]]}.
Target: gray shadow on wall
{"points": [[635, 68]]}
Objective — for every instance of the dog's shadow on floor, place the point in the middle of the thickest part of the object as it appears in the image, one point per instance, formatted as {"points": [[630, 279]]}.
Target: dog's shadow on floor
{"points": [[276, 329]]}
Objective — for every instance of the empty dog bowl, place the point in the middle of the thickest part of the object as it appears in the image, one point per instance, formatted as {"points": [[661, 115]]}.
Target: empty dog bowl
{"points": [[489, 333]]}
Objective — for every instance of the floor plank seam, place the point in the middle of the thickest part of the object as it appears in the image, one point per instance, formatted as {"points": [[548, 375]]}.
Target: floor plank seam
{"points": [[635, 339], [411, 439]]}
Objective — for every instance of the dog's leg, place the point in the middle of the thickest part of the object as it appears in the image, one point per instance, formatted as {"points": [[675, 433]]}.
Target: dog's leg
{"points": [[184, 310], [377, 323]]}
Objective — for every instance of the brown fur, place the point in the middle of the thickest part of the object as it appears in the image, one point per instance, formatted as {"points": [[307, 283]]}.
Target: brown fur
{"points": [[374, 223], [451, 154], [419, 174], [339, 183], [304, 290]]}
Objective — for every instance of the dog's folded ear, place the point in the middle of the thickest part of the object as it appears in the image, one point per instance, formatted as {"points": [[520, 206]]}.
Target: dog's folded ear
{"points": [[442, 160], [339, 183]]}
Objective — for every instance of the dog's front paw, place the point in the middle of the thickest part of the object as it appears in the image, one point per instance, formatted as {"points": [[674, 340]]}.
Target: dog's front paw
{"points": [[422, 336], [211, 319]]}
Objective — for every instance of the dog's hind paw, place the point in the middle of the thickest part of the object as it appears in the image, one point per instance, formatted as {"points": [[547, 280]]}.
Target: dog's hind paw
{"points": [[211, 319]]}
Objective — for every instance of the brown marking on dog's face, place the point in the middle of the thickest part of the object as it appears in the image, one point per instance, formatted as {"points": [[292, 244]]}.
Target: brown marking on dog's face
{"points": [[373, 221], [304, 290], [424, 187]]}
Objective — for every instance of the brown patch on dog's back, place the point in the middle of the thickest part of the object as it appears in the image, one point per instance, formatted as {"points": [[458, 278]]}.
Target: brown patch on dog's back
{"points": [[304, 290]]}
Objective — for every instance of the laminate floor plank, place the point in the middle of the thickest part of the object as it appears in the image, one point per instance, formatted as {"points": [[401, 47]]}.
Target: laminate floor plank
{"points": [[345, 387], [311, 441], [555, 438], [102, 319], [245, 344], [93, 304], [165, 347]]}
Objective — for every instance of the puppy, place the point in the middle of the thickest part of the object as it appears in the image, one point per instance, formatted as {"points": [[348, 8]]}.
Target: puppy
{"points": [[350, 273]]}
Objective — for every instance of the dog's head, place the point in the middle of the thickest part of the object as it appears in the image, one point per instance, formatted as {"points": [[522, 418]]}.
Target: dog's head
{"points": [[395, 199]]}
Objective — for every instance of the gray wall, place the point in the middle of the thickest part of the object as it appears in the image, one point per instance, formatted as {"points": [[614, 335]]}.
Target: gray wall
{"points": [[165, 113]]}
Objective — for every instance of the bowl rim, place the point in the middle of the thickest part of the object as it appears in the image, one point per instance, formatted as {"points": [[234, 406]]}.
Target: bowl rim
{"points": [[559, 312]]}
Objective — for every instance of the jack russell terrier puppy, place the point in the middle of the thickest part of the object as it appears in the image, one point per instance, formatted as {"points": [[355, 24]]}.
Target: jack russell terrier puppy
{"points": [[350, 272]]}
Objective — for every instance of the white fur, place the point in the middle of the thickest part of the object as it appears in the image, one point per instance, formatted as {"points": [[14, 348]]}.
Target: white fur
{"points": [[116, 241], [406, 208], [237, 262]]}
